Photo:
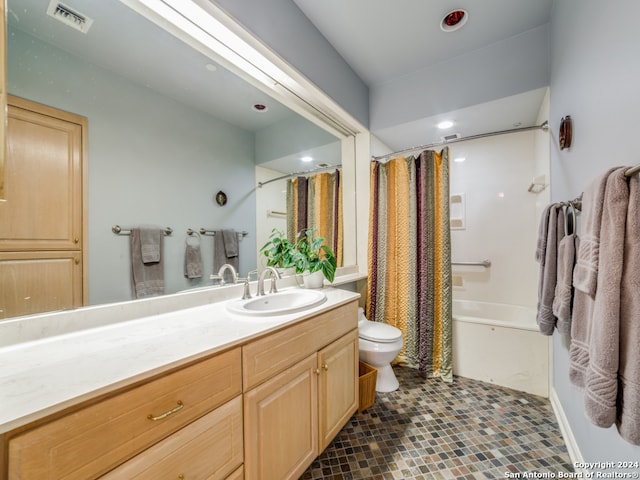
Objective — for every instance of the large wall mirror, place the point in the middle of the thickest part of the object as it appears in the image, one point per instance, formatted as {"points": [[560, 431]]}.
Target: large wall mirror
{"points": [[168, 128]]}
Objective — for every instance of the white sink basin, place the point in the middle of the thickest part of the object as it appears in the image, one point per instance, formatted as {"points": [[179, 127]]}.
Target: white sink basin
{"points": [[281, 303]]}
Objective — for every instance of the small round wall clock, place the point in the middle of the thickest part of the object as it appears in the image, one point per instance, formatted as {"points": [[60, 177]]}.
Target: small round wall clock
{"points": [[221, 198]]}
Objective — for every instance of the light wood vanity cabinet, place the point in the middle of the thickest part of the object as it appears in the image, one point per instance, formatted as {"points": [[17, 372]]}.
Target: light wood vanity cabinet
{"points": [[310, 391], [93, 440], [263, 410]]}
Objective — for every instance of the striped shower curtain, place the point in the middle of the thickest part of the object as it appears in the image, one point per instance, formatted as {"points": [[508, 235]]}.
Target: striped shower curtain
{"points": [[316, 201], [409, 283]]}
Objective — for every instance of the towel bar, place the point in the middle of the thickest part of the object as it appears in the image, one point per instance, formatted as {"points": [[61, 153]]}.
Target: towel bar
{"points": [[482, 263], [204, 231], [121, 231]]}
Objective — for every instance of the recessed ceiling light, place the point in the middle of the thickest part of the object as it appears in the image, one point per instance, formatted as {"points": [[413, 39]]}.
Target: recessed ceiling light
{"points": [[459, 159], [445, 124], [454, 20], [259, 107], [307, 159], [211, 67]]}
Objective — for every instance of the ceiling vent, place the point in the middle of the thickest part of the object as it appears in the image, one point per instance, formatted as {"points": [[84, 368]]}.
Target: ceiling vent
{"points": [[448, 138], [69, 16]]}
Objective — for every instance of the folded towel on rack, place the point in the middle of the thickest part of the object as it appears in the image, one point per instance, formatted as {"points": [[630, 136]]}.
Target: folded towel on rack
{"points": [[585, 274], [563, 298], [230, 238], [150, 239], [628, 412], [601, 377], [193, 257], [548, 272], [220, 255], [147, 278]]}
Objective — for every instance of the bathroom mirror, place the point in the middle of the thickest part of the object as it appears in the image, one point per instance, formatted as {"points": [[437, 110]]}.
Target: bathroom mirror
{"points": [[168, 128]]}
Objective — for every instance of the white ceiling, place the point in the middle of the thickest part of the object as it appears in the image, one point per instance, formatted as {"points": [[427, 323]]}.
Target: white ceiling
{"points": [[383, 40], [386, 41]]}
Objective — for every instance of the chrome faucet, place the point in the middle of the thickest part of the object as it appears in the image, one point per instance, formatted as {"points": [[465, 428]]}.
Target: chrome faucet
{"points": [[274, 276], [220, 275]]}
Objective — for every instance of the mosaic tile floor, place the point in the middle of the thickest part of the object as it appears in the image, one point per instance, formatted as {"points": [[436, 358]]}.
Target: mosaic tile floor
{"points": [[465, 430]]}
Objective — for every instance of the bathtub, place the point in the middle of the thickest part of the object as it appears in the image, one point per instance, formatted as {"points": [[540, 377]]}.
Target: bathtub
{"points": [[500, 344]]}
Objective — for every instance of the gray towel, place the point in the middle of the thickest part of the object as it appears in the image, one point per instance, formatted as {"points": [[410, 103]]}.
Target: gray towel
{"points": [[548, 272], [193, 258], [628, 412], [230, 243], [601, 379], [150, 239], [541, 245], [220, 256], [563, 299], [585, 274], [147, 278], [585, 278]]}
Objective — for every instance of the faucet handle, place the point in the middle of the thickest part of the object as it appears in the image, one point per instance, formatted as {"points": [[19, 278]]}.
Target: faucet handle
{"points": [[217, 277], [246, 294], [273, 288]]}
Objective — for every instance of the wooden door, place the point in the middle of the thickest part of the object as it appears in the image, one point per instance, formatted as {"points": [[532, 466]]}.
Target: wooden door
{"points": [[338, 386], [43, 209], [281, 424]]}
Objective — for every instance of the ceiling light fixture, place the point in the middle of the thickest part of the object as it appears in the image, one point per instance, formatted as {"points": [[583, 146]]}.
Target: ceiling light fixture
{"points": [[445, 124], [454, 20], [307, 159]]}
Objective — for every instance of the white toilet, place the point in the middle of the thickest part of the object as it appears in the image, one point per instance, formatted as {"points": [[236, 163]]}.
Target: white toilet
{"points": [[379, 344]]}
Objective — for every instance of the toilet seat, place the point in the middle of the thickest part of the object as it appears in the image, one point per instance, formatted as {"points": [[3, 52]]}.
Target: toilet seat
{"points": [[378, 332]]}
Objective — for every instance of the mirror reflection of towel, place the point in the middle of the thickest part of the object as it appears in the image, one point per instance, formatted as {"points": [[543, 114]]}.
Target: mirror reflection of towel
{"points": [[147, 278], [221, 254], [193, 258]]}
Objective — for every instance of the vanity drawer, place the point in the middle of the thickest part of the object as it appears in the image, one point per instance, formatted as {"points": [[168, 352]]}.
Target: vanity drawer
{"points": [[266, 357], [93, 440], [209, 448]]}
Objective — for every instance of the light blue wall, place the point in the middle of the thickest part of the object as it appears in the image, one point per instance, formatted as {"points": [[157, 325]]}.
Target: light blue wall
{"points": [[595, 75], [151, 161], [283, 27]]}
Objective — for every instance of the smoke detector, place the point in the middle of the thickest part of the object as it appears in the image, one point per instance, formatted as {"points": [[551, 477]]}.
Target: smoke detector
{"points": [[69, 16]]}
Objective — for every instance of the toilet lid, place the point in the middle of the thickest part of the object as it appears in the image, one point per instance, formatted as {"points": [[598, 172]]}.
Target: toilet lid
{"points": [[378, 332]]}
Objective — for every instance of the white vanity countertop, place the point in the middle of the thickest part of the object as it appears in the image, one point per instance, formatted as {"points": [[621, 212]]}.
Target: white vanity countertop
{"points": [[41, 377]]}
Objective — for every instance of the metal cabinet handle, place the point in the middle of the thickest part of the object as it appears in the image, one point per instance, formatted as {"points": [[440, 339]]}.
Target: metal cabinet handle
{"points": [[179, 407], [325, 367], [317, 371]]}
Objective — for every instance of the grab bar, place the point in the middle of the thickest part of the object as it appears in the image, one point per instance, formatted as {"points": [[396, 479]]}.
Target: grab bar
{"points": [[482, 263]]}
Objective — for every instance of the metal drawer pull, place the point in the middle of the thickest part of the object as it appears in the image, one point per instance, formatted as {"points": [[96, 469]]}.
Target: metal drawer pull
{"points": [[166, 414], [325, 367]]}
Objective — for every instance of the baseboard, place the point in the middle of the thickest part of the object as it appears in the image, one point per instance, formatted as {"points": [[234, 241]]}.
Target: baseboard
{"points": [[565, 429]]}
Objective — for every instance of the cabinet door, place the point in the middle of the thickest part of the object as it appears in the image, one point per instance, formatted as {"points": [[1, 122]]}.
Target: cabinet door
{"points": [[43, 179], [33, 282], [281, 424], [338, 386]]}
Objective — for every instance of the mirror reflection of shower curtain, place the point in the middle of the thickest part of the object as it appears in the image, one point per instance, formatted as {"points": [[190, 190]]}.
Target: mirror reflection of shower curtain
{"points": [[316, 201]]}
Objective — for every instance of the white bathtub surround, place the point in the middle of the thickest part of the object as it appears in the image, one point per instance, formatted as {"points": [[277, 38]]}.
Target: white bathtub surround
{"points": [[500, 343]]}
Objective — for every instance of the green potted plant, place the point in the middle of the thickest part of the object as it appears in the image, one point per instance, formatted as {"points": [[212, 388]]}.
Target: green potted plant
{"points": [[279, 251], [312, 256]]}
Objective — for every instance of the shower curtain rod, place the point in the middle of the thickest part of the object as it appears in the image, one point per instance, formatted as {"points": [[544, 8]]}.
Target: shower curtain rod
{"points": [[297, 174], [543, 126]]}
